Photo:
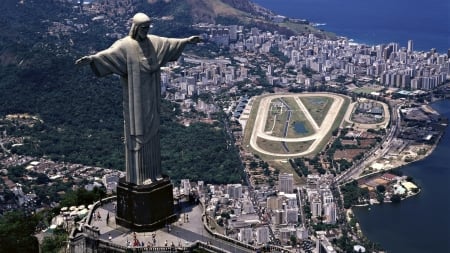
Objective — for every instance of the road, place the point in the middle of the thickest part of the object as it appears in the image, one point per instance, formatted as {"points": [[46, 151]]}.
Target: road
{"points": [[375, 153]]}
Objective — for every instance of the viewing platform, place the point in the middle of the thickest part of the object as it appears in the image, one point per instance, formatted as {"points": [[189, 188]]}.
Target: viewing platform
{"points": [[98, 232]]}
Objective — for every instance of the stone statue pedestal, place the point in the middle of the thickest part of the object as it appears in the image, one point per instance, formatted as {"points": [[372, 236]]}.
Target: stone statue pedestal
{"points": [[145, 208]]}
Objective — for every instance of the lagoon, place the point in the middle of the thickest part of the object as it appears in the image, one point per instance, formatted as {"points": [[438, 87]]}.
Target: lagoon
{"points": [[421, 223]]}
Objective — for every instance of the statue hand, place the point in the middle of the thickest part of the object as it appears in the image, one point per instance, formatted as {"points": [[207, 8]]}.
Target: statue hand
{"points": [[194, 39], [83, 61]]}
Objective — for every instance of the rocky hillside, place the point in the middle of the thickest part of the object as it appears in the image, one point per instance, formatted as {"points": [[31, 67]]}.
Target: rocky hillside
{"points": [[212, 11]]}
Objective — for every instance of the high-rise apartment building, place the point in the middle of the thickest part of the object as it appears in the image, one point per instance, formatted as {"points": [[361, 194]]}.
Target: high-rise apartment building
{"points": [[292, 216], [262, 235], [410, 46], [245, 235], [327, 197], [234, 191], [330, 213], [286, 183], [185, 186], [274, 203], [279, 217], [316, 207]]}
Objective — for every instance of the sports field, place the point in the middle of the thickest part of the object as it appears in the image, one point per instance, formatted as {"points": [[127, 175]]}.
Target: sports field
{"points": [[293, 125]]}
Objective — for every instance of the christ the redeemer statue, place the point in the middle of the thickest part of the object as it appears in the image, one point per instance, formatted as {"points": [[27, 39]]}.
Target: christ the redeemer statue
{"points": [[137, 59]]}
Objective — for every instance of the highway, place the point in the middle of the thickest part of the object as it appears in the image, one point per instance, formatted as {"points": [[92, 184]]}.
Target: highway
{"points": [[374, 154]]}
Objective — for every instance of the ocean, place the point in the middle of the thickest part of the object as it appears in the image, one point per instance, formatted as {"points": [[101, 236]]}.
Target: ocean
{"points": [[426, 23]]}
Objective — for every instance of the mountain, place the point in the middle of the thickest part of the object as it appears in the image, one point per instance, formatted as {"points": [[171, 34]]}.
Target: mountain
{"points": [[211, 11]]}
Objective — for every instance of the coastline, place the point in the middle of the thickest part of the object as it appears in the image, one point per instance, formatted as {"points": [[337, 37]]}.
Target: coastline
{"points": [[400, 164], [371, 28], [369, 218]]}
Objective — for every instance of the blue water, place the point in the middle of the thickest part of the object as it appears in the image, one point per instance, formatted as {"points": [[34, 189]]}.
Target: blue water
{"points": [[299, 128], [421, 223], [373, 22]]}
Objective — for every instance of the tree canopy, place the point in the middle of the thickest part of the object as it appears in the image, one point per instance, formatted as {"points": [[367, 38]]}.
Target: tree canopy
{"points": [[16, 233]]}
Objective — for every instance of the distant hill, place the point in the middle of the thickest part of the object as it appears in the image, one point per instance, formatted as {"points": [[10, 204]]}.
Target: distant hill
{"points": [[210, 10], [225, 12], [213, 10]]}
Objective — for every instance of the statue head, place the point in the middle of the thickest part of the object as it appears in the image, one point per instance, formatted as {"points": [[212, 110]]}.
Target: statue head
{"points": [[140, 26]]}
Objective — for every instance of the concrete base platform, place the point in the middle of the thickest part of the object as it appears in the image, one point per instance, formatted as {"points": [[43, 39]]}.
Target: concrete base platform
{"points": [[145, 208]]}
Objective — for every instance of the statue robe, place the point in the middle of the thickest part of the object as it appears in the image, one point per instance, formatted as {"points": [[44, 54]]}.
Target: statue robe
{"points": [[138, 64]]}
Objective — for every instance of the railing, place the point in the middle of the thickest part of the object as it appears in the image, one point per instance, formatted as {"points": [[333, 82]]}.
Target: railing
{"points": [[88, 239], [96, 205], [106, 246], [271, 248]]}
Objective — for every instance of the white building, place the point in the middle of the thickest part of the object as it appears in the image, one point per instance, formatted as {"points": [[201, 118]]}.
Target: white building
{"points": [[327, 197], [274, 203], [291, 200], [110, 178], [279, 217], [330, 213], [110, 182], [245, 235], [286, 183], [262, 235], [200, 185], [234, 191], [312, 181], [185, 186], [302, 233], [316, 207]]}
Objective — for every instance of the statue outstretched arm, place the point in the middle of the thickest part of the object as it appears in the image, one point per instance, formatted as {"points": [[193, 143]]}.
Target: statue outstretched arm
{"points": [[85, 60], [194, 39]]}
